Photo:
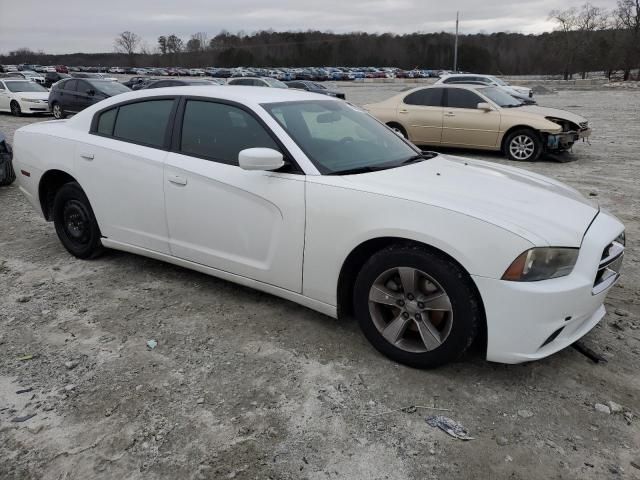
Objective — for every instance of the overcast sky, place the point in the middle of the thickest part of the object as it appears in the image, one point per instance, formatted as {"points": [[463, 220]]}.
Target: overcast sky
{"points": [[66, 26]]}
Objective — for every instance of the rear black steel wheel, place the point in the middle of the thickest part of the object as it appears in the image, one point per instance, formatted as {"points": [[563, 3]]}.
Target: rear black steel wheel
{"points": [[75, 222]]}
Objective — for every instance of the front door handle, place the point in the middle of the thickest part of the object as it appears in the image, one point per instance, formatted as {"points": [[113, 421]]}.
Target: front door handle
{"points": [[403, 111], [449, 114], [87, 156], [177, 179]]}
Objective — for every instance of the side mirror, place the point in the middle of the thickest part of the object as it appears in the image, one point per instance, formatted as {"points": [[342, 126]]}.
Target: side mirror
{"points": [[260, 159], [484, 106]]}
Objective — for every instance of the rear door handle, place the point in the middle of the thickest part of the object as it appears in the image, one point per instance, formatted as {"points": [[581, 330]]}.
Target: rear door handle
{"points": [[177, 179], [449, 114], [87, 156]]}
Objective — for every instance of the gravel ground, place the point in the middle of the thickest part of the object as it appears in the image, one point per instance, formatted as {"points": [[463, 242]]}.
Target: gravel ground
{"points": [[244, 385]]}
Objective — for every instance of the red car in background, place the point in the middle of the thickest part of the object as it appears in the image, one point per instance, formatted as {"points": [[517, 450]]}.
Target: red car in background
{"points": [[62, 69]]}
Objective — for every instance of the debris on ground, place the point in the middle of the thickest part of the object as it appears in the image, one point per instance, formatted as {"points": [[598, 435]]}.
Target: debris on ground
{"points": [[449, 426], [26, 357], [589, 353], [23, 299], [614, 407], [525, 413], [151, 344], [23, 418], [602, 408], [24, 390], [70, 365]]}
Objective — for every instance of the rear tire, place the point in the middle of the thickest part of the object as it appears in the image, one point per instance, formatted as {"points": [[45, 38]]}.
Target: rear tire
{"points": [[523, 145], [396, 127], [416, 307], [58, 111], [75, 222]]}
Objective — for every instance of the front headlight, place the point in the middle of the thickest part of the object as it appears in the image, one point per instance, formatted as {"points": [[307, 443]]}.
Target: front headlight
{"points": [[30, 100], [621, 239], [542, 263]]}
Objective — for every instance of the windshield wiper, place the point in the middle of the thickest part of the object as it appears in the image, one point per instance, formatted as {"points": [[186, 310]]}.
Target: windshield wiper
{"points": [[419, 157], [367, 169]]}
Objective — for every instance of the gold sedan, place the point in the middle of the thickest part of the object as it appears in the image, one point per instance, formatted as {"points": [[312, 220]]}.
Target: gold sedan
{"points": [[467, 116]]}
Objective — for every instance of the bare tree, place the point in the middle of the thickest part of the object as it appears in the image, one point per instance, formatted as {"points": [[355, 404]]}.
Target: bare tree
{"points": [[589, 19], [627, 19], [174, 44], [162, 44], [127, 42], [567, 22]]}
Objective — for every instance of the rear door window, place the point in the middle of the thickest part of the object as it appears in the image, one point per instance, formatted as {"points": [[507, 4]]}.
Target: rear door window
{"points": [[143, 123], [427, 97]]}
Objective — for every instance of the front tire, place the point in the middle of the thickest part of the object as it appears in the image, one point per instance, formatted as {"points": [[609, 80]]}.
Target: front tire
{"points": [[416, 307], [58, 111], [9, 175], [523, 145], [16, 111], [75, 222]]}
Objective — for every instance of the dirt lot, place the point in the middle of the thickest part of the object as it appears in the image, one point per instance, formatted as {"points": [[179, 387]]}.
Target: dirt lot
{"points": [[244, 385]]}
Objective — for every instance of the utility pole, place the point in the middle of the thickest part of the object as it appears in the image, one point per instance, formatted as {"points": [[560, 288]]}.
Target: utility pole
{"points": [[455, 48]]}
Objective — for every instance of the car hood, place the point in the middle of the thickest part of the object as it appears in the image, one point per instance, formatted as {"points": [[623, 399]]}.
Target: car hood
{"points": [[33, 95], [540, 209], [551, 112], [524, 90]]}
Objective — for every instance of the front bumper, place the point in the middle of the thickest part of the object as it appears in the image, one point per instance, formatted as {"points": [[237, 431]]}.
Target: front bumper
{"points": [[565, 140], [532, 320], [30, 107]]}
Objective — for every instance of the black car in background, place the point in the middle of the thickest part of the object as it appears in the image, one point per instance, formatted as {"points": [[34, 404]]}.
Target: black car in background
{"points": [[52, 77], [177, 83], [7, 175], [135, 81], [315, 88], [73, 95]]}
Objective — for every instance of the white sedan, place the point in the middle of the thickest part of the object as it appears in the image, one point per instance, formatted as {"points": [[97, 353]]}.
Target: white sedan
{"points": [[311, 199], [20, 96]]}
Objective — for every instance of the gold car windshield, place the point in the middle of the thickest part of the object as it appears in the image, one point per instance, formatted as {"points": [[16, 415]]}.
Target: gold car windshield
{"points": [[340, 138], [500, 97]]}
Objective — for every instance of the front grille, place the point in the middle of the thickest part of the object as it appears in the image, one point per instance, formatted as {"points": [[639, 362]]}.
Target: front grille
{"points": [[609, 267]]}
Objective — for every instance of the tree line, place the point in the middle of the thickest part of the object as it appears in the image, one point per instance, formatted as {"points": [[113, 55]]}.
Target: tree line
{"points": [[585, 39]]}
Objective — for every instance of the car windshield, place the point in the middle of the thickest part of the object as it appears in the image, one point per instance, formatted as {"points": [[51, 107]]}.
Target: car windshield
{"points": [[500, 97], [25, 86], [498, 81], [319, 86], [108, 87], [339, 138], [275, 83]]}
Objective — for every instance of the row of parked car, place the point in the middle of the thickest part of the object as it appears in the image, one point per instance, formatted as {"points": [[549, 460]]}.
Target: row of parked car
{"points": [[280, 73]]}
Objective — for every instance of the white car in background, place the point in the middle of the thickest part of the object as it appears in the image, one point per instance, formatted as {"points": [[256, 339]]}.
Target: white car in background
{"points": [[309, 198], [521, 93], [20, 96], [30, 75]]}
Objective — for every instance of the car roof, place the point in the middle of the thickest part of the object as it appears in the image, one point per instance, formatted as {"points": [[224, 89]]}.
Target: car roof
{"points": [[245, 95]]}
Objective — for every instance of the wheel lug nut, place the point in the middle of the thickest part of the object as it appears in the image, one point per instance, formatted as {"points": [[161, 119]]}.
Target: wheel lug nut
{"points": [[405, 315], [410, 296], [400, 303], [420, 305], [418, 317]]}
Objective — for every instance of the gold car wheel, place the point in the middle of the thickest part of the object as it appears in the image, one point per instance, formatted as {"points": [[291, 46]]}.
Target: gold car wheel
{"points": [[522, 147]]}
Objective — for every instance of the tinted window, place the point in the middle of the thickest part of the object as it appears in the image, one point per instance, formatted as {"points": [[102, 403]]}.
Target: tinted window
{"points": [[107, 87], [106, 122], [460, 98], [1, 86], [71, 85], [428, 97], [144, 122], [83, 87], [220, 132]]}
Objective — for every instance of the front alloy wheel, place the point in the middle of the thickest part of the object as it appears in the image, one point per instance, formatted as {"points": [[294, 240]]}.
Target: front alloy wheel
{"points": [[15, 109], [410, 309], [416, 306], [523, 145]]}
